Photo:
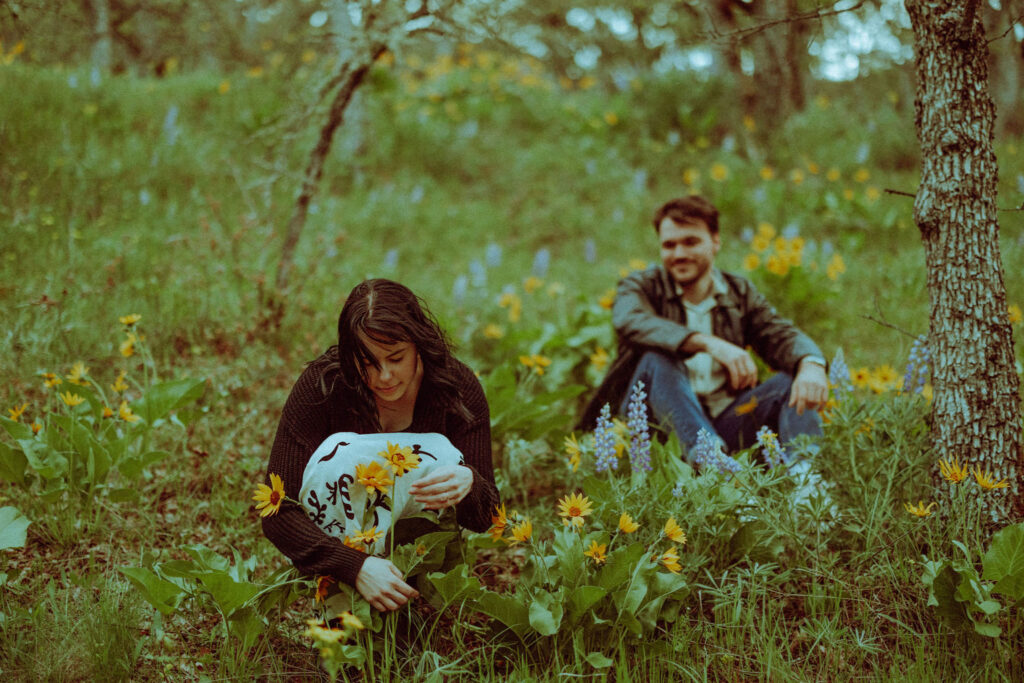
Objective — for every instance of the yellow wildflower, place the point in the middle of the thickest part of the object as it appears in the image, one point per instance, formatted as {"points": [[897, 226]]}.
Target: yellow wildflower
{"points": [[719, 171], [597, 552], [862, 175], [51, 380], [691, 176], [535, 361], [777, 265], [919, 510], [872, 193], [78, 374], [108, 412], [532, 284], [836, 266], [514, 305], [833, 174], [130, 320], [269, 498], [607, 300], [626, 524], [673, 532], [1015, 314], [72, 399], [128, 345], [224, 86], [611, 118], [373, 477], [126, 413], [749, 123], [572, 449], [324, 634], [599, 359], [797, 176], [986, 480], [637, 264], [349, 620], [401, 459], [952, 471], [36, 427], [767, 173], [883, 378], [670, 560], [499, 521], [521, 532], [322, 584], [493, 331], [119, 386], [17, 411], [751, 262], [860, 377], [573, 508], [369, 537]]}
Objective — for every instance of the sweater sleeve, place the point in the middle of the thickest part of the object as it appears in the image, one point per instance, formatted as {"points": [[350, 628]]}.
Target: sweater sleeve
{"points": [[304, 424], [473, 439]]}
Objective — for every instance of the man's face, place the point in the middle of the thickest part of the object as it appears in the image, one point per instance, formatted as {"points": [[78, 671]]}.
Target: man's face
{"points": [[687, 249]]}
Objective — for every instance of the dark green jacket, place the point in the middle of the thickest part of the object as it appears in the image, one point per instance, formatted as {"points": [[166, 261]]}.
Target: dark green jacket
{"points": [[649, 316]]}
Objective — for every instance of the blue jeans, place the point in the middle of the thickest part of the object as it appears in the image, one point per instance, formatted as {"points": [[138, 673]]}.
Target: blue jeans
{"points": [[674, 405]]}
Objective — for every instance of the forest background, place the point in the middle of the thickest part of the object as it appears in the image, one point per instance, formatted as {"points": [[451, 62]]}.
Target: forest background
{"points": [[502, 159]]}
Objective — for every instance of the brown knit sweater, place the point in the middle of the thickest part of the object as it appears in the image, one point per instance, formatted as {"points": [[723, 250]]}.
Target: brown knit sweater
{"points": [[309, 417]]}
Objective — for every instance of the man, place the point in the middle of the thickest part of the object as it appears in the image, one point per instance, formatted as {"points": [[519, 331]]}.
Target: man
{"points": [[683, 329]]}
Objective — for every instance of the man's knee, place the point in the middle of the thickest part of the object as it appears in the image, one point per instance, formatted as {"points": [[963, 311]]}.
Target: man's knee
{"points": [[657, 366]]}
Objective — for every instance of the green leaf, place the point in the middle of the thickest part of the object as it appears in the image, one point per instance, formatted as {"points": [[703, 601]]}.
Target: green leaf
{"points": [[16, 430], [989, 606], [455, 584], [1004, 561], [598, 660], [990, 630], [619, 566], [228, 594], [507, 609], [133, 466], [942, 587], [546, 613], [124, 495], [246, 624], [160, 399], [12, 464], [160, 593], [13, 527], [582, 599]]}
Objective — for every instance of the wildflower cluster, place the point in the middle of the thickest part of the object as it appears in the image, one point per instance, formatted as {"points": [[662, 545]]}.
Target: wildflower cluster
{"points": [[521, 528], [918, 366], [640, 439], [768, 440], [708, 453], [839, 376], [604, 442]]}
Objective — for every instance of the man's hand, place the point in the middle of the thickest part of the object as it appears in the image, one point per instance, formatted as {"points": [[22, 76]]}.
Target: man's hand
{"points": [[382, 585], [737, 362], [810, 388], [444, 487]]}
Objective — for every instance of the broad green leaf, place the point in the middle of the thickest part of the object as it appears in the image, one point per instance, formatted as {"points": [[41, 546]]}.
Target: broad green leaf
{"points": [[228, 594], [206, 558], [619, 566], [568, 549], [598, 660], [1004, 561], [133, 466], [246, 624], [990, 630], [455, 584], [43, 459], [546, 613], [16, 430], [12, 464], [989, 606], [160, 593], [582, 599], [507, 609], [162, 398], [942, 587], [13, 527]]}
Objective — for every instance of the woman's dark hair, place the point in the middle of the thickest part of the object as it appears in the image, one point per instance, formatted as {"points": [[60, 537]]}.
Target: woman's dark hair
{"points": [[388, 312]]}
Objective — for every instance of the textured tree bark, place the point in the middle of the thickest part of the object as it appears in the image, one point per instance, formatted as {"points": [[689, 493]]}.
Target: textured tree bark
{"points": [[976, 414]]}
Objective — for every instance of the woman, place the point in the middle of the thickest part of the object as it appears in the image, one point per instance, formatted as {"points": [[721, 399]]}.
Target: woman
{"points": [[391, 371]]}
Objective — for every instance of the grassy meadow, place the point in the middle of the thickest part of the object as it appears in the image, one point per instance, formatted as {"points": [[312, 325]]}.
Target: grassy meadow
{"points": [[512, 203]]}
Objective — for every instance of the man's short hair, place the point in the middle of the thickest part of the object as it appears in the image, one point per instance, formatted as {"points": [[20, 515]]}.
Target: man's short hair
{"points": [[686, 210]]}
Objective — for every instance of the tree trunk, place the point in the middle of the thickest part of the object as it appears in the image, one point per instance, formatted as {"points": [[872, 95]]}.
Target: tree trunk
{"points": [[976, 408], [102, 45], [350, 78]]}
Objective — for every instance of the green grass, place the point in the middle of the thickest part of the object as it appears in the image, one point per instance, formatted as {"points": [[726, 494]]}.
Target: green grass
{"points": [[104, 217]]}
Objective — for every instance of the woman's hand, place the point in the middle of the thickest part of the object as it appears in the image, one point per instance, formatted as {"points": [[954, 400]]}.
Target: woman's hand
{"points": [[382, 585], [444, 486]]}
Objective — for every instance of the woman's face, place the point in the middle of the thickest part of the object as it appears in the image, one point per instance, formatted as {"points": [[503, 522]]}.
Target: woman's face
{"points": [[399, 373]]}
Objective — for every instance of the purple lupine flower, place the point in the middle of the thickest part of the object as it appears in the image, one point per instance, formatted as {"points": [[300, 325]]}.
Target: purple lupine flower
{"points": [[677, 490], [708, 453], [839, 376], [640, 437], [918, 366], [541, 262], [590, 251], [493, 255], [768, 440], [604, 442]]}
